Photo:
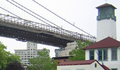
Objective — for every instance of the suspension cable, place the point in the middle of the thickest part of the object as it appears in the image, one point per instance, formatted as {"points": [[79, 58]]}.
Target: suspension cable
{"points": [[10, 12], [35, 13], [26, 12], [61, 17]]}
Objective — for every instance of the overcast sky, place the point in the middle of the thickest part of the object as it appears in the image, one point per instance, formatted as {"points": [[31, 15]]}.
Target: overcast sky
{"points": [[81, 13]]}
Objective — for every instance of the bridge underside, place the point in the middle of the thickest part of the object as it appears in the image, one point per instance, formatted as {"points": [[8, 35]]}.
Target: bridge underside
{"points": [[22, 35], [25, 30]]}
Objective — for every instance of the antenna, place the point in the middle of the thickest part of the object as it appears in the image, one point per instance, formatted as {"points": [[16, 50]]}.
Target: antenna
{"points": [[35, 13], [61, 17]]}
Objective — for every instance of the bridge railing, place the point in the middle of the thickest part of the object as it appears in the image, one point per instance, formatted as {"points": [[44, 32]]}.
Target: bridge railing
{"points": [[45, 28]]}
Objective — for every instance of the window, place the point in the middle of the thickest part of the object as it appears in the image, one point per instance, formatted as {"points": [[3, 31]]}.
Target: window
{"points": [[79, 69], [114, 69], [114, 54], [28, 46], [65, 69], [102, 54], [99, 54], [91, 53], [33, 44]]}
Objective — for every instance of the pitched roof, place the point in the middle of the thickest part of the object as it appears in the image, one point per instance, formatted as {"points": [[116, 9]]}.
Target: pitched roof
{"points": [[84, 62], [106, 68], [106, 4], [105, 43]]}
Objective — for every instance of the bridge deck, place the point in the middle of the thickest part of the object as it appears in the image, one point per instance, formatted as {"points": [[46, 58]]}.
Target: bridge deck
{"points": [[25, 30]]}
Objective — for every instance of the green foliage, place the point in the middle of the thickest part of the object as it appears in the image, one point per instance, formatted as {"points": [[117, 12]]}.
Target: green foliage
{"points": [[14, 66], [13, 57], [3, 55], [78, 53], [42, 62], [6, 57]]}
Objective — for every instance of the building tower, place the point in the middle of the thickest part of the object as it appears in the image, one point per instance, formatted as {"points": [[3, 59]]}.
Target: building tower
{"points": [[32, 49], [106, 25], [25, 54]]}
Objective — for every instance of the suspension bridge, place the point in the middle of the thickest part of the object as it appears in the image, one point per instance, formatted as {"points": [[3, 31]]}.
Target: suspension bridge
{"points": [[26, 30]]}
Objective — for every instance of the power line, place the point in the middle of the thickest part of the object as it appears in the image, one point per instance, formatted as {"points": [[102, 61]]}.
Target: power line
{"points": [[35, 13], [26, 12], [61, 17]]}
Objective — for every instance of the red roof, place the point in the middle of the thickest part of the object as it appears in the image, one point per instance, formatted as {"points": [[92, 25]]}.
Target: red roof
{"points": [[105, 43], [106, 4], [106, 68], [84, 62]]}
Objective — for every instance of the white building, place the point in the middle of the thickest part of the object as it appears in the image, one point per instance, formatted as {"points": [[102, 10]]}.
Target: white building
{"points": [[106, 51], [68, 48], [30, 52], [81, 65]]}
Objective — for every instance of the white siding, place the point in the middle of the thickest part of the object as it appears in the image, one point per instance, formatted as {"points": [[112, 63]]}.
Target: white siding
{"points": [[110, 64], [105, 28], [87, 55]]}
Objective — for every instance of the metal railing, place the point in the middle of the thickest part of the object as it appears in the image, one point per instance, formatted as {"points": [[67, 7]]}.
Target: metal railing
{"points": [[45, 28]]}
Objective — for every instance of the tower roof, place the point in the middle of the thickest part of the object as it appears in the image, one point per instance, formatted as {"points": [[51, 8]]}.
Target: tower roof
{"points": [[104, 5], [105, 43]]}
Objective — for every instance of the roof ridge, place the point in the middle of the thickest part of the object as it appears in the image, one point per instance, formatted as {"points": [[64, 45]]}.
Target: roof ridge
{"points": [[83, 62], [105, 4], [105, 43]]}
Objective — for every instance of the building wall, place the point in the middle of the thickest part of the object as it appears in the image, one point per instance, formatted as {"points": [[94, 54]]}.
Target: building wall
{"points": [[58, 50], [68, 48], [109, 63], [30, 52], [105, 28], [81, 67]]}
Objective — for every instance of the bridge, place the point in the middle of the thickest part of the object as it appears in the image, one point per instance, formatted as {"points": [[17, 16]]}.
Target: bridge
{"points": [[25, 30]]}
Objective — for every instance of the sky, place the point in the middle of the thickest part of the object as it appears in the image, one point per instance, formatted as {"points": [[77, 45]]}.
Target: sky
{"points": [[81, 13]]}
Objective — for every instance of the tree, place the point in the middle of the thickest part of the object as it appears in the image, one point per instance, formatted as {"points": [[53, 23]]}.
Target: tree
{"points": [[78, 53], [42, 62], [6, 57], [14, 66], [13, 57], [3, 55]]}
